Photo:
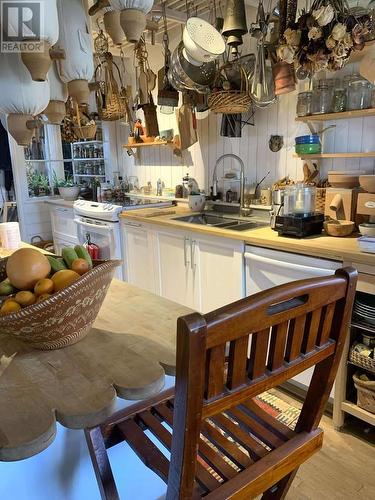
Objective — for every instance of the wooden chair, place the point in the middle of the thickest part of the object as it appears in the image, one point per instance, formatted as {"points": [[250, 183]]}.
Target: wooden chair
{"points": [[223, 444]]}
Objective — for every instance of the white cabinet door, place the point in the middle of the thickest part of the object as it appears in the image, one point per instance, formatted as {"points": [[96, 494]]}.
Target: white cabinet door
{"points": [[219, 269], [63, 225], [138, 256], [175, 279]]}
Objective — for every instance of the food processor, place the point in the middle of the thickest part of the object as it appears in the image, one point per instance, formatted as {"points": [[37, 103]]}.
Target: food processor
{"points": [[299, 217]]}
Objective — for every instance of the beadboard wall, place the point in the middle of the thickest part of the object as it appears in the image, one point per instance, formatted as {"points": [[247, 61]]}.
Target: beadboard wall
{"points": [[279, 119]]}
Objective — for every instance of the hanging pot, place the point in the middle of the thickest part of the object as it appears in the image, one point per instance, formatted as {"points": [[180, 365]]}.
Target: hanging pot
{"points": [[133, 23], [79, 90], [77, 69], [113, 27], [284, 77], [38, 63], [20, 129], [20, 97], [133, 16], [185, 76], [55, 112]]}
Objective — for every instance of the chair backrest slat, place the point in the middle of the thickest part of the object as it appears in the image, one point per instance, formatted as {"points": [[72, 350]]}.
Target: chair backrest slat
{"points": [[258, 354], [272, 336], [237, 369], [327, 324], [279, 334], [295, 338], [215, 365]]}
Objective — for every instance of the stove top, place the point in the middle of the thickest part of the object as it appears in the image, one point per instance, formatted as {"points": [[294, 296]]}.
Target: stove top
{"points": [[110, 210]]}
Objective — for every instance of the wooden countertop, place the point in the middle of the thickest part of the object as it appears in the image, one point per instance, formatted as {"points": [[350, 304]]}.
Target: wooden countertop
{"points": [[341, 249], [127, 353]]}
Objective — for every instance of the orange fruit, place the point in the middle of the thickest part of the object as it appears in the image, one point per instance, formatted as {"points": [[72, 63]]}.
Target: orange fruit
{"points": [[64, 278], [25, 298], [43, 296], [80, 266], [9, 307], [44, 286]]}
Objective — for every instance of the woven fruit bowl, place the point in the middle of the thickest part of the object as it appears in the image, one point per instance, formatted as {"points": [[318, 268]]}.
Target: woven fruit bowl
{"points": [[67, 316]]}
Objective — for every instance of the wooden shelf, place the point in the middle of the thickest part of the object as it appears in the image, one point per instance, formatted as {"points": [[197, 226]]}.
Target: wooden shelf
{"points": [[357, 113], [356, 411], [145, 144], [370, 154]]}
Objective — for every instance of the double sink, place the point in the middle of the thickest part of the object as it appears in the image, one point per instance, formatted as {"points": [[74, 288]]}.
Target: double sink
{"points": [[219, 221]]}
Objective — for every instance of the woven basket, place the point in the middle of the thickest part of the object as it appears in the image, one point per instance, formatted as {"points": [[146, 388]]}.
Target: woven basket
{"points": [[229, 102], [365, 393], [113, 107], [320, 200], [363, 361], [83, 132], [66, 317]]}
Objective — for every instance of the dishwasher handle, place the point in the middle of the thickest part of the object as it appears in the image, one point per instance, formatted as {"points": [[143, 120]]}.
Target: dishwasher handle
{"points": [[312, 271]]}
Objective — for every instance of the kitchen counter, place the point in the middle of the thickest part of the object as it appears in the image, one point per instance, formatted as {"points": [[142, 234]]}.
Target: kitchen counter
{"points": [[341, 249], [60, 202]]}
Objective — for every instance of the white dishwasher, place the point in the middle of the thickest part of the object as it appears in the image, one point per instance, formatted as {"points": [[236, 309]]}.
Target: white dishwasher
{"points": [[267, 268]]}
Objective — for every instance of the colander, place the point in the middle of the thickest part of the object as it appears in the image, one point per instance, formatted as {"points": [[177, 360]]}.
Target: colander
{"points": [[202, 42]]}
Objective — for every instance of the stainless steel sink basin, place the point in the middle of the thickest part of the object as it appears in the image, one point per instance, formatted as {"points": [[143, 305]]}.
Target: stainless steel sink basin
{"points": [[221, 222], [202, 219]]}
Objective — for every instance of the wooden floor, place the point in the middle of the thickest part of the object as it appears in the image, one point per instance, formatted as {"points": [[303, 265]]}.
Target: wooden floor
{"points": [[343, 469]]}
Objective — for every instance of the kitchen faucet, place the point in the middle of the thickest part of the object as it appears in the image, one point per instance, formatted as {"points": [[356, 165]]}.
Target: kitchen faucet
{"points": [[243, 210]]}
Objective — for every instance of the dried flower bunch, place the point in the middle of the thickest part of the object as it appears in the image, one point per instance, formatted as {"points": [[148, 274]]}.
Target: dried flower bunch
{"points": [[324, 37]]}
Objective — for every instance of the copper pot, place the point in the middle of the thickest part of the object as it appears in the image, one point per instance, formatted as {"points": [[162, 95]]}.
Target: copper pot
{"points": [[284, 77]]}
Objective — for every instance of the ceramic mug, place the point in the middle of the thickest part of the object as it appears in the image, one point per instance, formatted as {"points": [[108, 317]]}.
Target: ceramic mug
{"points": [[197, 202]]}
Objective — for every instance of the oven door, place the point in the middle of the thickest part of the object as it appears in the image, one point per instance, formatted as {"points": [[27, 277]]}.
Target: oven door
{"points": [[105, 234]]}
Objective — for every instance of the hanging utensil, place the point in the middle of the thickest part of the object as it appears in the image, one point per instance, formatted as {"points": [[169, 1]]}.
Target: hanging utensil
{"points": [[167, 95], [262, 88], [234, 24]]}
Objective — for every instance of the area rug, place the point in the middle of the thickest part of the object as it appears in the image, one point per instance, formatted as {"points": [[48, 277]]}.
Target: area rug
{"points": [[279, 409]]}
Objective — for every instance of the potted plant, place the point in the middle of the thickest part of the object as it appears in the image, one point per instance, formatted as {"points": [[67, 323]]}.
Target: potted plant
{"points": [[68, 189], [44, 186]]}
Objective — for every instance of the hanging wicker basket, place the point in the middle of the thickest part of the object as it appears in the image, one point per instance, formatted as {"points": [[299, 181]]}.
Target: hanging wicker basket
{"points": [[84, 132], [229, 102], [109, 99]]}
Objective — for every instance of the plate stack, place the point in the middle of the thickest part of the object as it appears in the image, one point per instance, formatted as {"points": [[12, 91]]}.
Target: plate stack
{"points": [[364, 308]]}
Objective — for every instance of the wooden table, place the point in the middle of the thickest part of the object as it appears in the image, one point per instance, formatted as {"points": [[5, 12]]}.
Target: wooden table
{"points": [[126, 354]]}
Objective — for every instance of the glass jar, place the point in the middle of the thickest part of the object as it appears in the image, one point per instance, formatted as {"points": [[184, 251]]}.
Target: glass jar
{"points": [[359, 94], [339, 100], [322, 99], [304, 103]]}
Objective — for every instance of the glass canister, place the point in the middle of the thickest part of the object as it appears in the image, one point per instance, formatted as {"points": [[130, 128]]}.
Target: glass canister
{"points": [[304, 103], [359, 94], [339, 100], [322, 99]]}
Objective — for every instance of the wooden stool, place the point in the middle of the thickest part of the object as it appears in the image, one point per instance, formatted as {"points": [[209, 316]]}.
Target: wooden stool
{"points": [[223, 445]]}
